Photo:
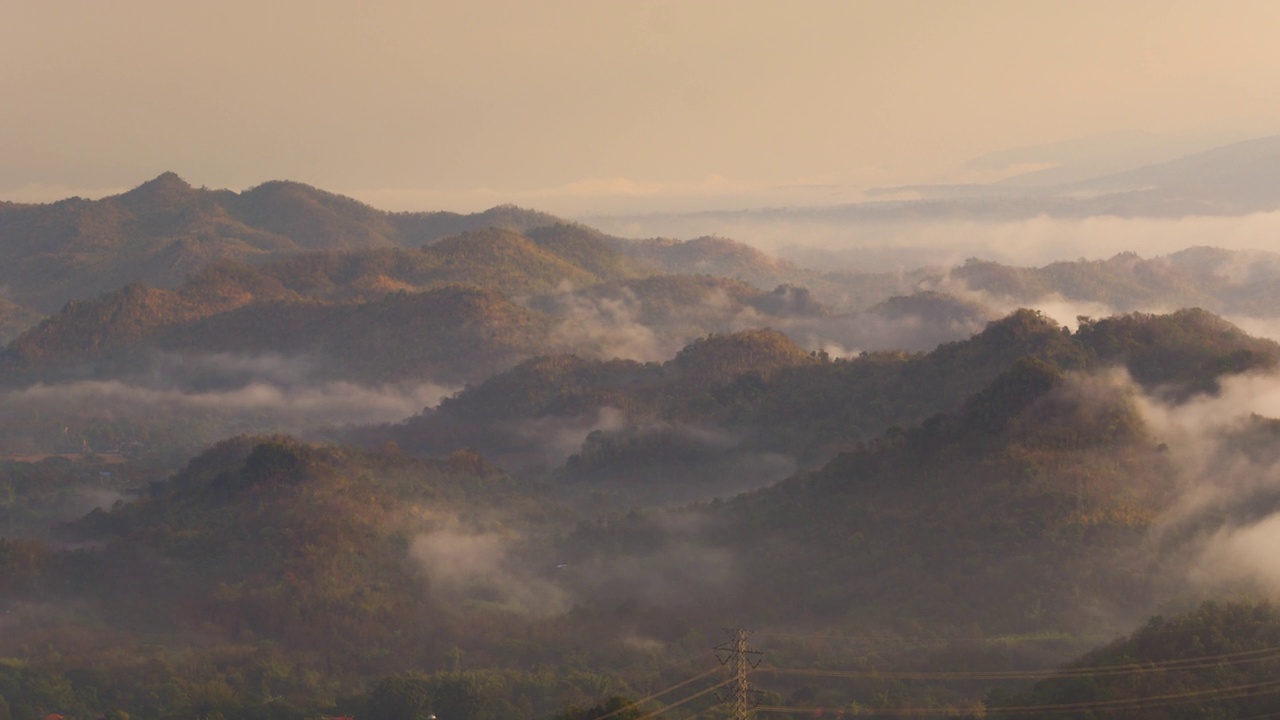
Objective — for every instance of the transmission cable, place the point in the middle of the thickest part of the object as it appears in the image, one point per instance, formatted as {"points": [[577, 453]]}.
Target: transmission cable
{"points": [[677, 686], [1139, 703], [1203, 661]]}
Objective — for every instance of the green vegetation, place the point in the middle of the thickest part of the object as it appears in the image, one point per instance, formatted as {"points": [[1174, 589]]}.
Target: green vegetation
{"points": [[1185, 352], [1219, 660]]}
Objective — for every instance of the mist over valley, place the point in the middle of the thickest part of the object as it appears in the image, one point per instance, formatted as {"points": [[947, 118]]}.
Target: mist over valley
{"points": [[639, 361], [532, 427]]}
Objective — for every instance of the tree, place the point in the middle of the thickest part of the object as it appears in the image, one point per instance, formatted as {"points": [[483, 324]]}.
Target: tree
{"points": [[400, 697]]}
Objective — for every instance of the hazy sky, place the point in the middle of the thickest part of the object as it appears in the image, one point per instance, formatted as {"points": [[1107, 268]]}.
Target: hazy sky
{"points": [[605, 105]]}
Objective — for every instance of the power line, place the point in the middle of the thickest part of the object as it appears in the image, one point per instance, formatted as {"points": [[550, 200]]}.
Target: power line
{"points": [[678, 703], [934, 639], [1231, 693], [1235, 692], [1263, 716], [677, 686], [1203, 661], [746, 660]]}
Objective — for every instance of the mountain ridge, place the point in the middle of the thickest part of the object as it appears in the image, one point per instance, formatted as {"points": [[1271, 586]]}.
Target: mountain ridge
{"points": [[164, 229]]}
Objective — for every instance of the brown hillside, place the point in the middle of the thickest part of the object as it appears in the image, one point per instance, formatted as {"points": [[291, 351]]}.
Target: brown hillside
{"points": [[164, 230]]}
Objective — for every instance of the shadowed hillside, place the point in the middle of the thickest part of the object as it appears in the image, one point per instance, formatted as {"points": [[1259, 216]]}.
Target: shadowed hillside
{"points": [[1031, 489], [1218, 660], [616, 425], [14, 319]]}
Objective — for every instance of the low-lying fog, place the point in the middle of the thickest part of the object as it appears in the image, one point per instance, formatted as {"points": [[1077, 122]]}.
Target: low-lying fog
{"points": [[908, 243]]}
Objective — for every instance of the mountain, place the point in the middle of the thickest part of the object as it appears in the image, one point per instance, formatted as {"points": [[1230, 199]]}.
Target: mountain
{"points": [[14, 319], [600, 301], [246, 348], [897, 226], [708, 255], [1045, 501], [973, 481], [1026, 493], [320, 557], [722, 257], [165, 230], [1219, 659], [279, 295], [938, 308], [621, 453], [1241, 283], [1236, 178], [451, 334], [613, 428]]}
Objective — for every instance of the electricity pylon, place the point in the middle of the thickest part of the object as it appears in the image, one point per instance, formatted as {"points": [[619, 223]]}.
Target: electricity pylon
{"points": [[745, 659]]}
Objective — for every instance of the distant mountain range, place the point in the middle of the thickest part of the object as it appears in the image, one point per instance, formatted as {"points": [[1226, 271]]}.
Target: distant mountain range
{"points": [[293, 271], [1236, 178], [885, 232]]}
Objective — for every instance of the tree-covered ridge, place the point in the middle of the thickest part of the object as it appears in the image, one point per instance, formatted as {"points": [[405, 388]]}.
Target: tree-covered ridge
{"points": [[498, 258], [135, 312], [1043, 500], [598, 308], [521, 418], [319, 575], [493, 259], [1004, 513], [590, 250], [1218, 660], [453, 334], [272, 577], [719, 359], [449, 335], [1187, 350], [275, 539], [771, 396], [1222, 281], [927, 303], [708, 255], [723, 257], [15, 319], [164, 230]]}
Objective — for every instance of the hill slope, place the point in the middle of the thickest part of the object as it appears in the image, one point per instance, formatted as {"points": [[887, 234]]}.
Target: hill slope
{"points": [[1218, 660], [164, 230]]}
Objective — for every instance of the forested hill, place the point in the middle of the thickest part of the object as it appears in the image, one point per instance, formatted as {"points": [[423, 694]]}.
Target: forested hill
{"points": [[1047, 499], [740, 411], [277, 572], [318, 576], [1219, 660], [1241, 282], [14, 319], [163, 230], [339, 309]]}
